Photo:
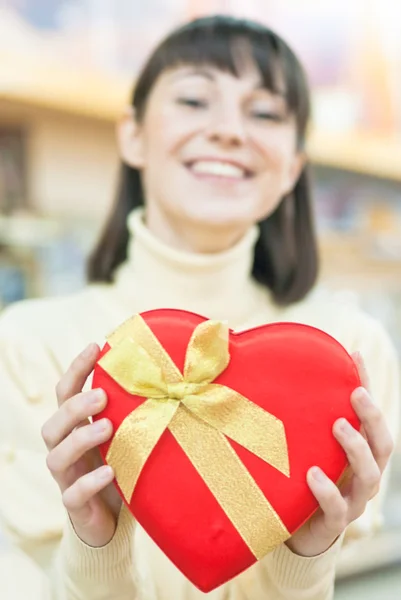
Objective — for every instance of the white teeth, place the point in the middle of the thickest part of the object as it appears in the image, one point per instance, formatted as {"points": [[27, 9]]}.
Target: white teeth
{"points": [[218, 168]]}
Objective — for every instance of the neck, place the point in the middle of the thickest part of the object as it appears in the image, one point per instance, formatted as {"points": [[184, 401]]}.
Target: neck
{"points": [[191, 237], [216, 285]]}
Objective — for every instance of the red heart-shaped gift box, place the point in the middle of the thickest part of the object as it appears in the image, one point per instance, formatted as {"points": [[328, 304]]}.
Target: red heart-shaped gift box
{"points": [[297, 373]]}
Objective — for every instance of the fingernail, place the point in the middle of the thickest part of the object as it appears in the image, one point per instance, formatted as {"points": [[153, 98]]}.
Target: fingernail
{"points": [[104, 473], [344, 427], [318, 475], [88, 350], [362, 397], [97, 396], [100, 426]]}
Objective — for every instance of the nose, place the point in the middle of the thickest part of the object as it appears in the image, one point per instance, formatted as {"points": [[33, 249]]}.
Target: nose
{"points": [[226, 126]]}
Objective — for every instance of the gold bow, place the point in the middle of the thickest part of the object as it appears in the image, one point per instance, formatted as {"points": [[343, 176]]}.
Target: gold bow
{"points": [[200, 415]]}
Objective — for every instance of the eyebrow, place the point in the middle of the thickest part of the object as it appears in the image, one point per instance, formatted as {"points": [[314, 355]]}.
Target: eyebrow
{"points": [[203, 72]]}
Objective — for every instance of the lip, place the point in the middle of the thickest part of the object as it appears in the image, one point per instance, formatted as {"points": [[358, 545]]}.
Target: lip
{"points": [[228, 161]]}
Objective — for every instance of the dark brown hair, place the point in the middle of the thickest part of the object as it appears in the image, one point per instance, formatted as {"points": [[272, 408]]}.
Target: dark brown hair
{"points": [[286, 259]]}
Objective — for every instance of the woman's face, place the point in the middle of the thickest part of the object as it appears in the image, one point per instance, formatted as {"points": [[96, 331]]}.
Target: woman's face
{"points": [[215, 150]]}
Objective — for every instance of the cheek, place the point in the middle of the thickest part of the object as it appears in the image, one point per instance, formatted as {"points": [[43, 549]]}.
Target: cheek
{"points": [[275, 182], [277, 148], [277, 156], [166, 133]]}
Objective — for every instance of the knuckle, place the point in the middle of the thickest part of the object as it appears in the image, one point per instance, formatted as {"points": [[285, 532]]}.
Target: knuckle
{"points": [[341, 522], [61, 389], [331, 494], [47, 435], [75, 496], [52, 464], [337, 507], [388, 447], [360, 442], [339, 515], [81, 439], [358, 445], [375, 491], [357, 512], [71, 409], [69, 499], [372, 479], [376, 415], [78, 366], [336, 524]]}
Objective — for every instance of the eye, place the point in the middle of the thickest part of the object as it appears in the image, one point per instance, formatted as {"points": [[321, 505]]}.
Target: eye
{"points": [[192, 102], [267, 116]]}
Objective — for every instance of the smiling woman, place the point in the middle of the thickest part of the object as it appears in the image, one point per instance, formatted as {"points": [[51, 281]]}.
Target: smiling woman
{"points": [[219, 94], [213, 216]]}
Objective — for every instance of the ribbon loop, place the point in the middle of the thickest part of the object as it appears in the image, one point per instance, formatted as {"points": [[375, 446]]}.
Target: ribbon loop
{"points": [[135, 369], [207, 353]]}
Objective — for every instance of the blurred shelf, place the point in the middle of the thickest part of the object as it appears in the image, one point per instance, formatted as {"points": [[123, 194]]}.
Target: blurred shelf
{"points": [[350, 259], [97, 95], [362, 152], [28, 231], [74, 91]]}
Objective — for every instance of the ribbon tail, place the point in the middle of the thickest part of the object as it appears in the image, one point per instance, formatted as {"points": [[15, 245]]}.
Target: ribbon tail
{"points": [[135, 440], [234, 488], [246, 423]]}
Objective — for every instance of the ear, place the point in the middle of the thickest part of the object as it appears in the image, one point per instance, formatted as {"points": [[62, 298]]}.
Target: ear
{"points": [[296, 167], [129, 138]]}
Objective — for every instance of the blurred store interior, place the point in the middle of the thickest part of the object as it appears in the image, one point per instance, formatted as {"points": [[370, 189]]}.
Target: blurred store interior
{"points": [[66, 69]]}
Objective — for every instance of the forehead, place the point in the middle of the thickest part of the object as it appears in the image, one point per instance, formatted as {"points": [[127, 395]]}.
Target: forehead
{"points": [[212, 74]]}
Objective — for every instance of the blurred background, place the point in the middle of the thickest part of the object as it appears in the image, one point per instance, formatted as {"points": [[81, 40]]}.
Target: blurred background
{"points": [[66, 70]]}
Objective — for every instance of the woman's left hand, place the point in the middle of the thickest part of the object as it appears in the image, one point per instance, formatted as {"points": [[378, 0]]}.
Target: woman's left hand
{"points": [[368, 453]]}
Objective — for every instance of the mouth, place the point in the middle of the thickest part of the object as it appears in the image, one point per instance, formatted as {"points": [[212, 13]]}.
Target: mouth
{"points": [[222, 170]]}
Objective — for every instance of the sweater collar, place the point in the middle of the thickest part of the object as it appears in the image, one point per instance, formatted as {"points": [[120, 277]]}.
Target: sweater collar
{"points": [[217, 286]]}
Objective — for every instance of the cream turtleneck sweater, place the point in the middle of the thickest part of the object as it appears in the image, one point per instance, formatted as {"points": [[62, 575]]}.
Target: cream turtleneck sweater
{"points": [[39, 339]]}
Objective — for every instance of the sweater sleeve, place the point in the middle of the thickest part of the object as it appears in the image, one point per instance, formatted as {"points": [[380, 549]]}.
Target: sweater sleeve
{"points": [[85, 573], [31, 510], [283, 575]]}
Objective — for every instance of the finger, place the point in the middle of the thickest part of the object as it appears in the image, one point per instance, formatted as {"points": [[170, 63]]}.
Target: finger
{"points": [[366, 470], [334, 507], [74, 379], [77, 496], [374, 426], [71, 414], [362, 371], [78, 443]]}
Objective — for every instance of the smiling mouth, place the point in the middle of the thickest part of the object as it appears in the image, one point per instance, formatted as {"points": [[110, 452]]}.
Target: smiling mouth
{"points": [[214, 169]]}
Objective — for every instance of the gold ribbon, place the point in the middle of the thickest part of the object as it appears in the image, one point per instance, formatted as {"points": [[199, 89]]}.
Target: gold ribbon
{"points": [[200, 415]]}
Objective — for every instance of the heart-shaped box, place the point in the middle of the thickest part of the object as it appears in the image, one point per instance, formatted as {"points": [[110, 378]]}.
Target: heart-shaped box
{"points": [[216, 490]]}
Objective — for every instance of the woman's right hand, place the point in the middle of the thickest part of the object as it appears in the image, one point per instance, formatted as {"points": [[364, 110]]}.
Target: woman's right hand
{"points": [[74, 459]]}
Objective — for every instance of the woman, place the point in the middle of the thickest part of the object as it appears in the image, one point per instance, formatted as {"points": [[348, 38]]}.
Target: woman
{"points": [[213, 148]]}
